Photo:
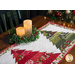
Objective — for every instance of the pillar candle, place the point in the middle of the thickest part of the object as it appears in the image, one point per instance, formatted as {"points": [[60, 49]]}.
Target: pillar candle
{"points": [[20, 31], [28, 26]]}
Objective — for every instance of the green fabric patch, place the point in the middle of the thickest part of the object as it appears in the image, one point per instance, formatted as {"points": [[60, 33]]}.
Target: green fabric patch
{"points": [[58, 33], [44, 33], [59, 43], [71, 38], [54, 36], [54, 41], [51, 38], [68, 35]]}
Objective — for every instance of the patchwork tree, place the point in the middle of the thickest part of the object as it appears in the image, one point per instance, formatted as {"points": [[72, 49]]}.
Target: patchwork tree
{"points": [[60, 39]]}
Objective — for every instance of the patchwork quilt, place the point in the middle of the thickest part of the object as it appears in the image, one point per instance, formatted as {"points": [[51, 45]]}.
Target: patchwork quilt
{"points": [[55, 42]]}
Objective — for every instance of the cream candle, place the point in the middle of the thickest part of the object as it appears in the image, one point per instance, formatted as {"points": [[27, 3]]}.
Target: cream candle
{"points": [[28, 26], [20, 31]]}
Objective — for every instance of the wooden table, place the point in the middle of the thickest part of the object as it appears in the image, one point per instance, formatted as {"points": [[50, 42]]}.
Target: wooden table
{"points": [[38, 21]]}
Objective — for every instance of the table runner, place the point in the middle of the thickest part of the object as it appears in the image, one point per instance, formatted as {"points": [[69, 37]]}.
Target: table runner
{"points": [[54, 44]]}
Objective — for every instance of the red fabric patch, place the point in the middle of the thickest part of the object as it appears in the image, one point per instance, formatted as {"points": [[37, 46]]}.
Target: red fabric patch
{"points": [[33, 57], [51, 58], [27, 57]]}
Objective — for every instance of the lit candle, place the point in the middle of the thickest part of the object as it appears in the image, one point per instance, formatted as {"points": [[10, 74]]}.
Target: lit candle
{"points": [[20, 31], [64, 24], [71, 25], [45, 18], [28, 26], [68, 25]]}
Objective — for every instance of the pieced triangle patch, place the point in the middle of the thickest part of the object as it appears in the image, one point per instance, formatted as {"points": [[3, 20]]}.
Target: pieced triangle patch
{"points": [[60, 39], [33, 57]]}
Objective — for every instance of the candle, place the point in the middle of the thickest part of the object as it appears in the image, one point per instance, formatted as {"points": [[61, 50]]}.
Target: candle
{"points": [[45, 18], [28, 26], [68, 25], [20, 31], [71, 25], [64, 24]]}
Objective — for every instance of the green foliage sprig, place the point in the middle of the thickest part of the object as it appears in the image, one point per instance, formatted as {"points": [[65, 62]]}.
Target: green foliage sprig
{"points": [[13, 38]]}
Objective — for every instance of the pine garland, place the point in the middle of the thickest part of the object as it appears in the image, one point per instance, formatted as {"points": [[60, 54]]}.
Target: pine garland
{"points": [[13, 38]]}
